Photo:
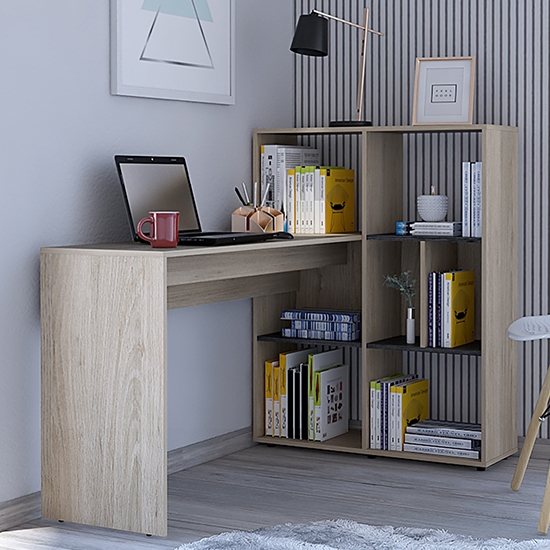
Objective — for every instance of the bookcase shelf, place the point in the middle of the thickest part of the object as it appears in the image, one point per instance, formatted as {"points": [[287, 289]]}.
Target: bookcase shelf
{"points": [[276, 337], [415, 238], [399, 343], [357, 285]]}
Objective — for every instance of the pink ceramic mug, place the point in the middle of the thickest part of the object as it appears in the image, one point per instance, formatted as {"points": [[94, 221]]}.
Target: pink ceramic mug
{"points": [[164, 229]]}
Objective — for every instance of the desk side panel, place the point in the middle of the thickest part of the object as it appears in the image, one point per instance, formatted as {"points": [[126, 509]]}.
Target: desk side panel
{"points": [[103, 321]]}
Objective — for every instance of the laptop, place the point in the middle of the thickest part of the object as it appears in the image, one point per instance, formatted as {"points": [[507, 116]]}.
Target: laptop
{"points": [[163, 183]]}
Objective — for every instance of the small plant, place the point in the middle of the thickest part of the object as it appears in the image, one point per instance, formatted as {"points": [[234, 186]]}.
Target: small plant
{"points": [[403, 283]]}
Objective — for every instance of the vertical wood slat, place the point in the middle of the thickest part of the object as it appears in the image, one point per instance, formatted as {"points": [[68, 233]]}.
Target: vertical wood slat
{"points": [[509, 40]]}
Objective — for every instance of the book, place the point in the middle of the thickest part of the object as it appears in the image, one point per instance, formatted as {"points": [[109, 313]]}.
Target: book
{"points": [[339, 200], [339, 336], [431, 309], [465, 453], [324, 325], [278, 159], [299, 397], [458, 308], [438, 309], [476, 199], [269, 174], [269, 397], [436, 232], [289, 360], [291, 200], [466, 200], [304, 402], [331, 402], [318, 314], [447, 429], [411, 406], [318, 195], [377, 409], [290, 403], [308, 186], [298, 199], [436, 228], [436, 225], [317, 362], [319, 201], [276, 401], [303, 199], [442, 441], [294, 374], [393, 438]]}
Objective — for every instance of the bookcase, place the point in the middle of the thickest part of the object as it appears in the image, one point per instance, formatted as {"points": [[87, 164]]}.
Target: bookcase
{"points": [[377, 251]]}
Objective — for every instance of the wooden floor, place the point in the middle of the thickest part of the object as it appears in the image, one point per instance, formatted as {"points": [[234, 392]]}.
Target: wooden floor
{"points": [[271, 485]]}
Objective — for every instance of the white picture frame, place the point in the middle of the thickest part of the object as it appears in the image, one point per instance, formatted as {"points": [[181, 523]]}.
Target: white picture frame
{"points": [[178, 50], [444, 90]]}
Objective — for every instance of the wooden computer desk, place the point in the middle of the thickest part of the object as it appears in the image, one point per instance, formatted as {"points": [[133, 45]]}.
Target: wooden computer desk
{"points": [[103, 342]]}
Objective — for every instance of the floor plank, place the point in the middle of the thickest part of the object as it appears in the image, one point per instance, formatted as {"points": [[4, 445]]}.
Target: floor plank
{"points": [[271, 485]]}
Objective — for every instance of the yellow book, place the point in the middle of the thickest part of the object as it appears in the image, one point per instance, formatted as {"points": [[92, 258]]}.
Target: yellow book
{"points": [[276, 401], [411, 406], [269, 397], [339, 200], [458, 308]]}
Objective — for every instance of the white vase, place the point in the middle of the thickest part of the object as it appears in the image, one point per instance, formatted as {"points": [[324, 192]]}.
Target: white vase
{"points": [[410, 325]]}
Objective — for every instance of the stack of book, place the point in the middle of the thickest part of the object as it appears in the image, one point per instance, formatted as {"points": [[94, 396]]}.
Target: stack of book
{"points": [[437, 229], [471, 199], [444, 438], [275, 160], [313, 198], [320, 199], [396, 402], [322, 324], [450, 308], [307, 395]]}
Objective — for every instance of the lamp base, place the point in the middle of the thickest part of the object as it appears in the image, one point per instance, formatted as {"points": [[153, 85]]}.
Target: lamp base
{"points": [[334, 123]]}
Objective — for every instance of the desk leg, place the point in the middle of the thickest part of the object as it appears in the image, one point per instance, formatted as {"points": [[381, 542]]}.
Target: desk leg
{"points": [[103, 324]]}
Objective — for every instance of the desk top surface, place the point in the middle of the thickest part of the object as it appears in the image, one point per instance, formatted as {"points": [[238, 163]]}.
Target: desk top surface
{"points": [[137, 249]]}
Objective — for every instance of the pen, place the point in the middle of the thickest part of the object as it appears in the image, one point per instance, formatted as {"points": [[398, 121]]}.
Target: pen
{"points": [[265, 194], [255, 194], [247, 198], [240, 196]]}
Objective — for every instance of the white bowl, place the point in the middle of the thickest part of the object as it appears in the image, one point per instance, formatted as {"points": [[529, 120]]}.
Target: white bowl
{"points": [[432, 208]]}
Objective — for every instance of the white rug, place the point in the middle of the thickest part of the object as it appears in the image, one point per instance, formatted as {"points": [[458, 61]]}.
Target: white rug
{"points": [[347, 535]]}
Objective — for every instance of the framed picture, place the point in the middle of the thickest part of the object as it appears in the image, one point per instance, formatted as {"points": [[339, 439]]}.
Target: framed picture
{"points": [[444, 90], [174, 49]]}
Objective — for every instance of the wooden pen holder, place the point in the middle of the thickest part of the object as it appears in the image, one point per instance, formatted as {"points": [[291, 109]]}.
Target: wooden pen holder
{"points": [[262, 219]]}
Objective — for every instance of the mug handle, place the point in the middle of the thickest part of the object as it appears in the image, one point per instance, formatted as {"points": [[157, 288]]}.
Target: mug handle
{"points": [[140, 232]]}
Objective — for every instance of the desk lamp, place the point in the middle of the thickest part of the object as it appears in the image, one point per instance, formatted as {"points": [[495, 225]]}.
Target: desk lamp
{"points": [[311, 38]]}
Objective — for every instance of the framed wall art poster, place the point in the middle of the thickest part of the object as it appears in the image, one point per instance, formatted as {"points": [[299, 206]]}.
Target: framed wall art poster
{"points": [[174, 49], [444, 90]]}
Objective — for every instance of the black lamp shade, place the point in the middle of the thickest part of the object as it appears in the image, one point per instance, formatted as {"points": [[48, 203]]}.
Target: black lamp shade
{"points": [[311, 36]]}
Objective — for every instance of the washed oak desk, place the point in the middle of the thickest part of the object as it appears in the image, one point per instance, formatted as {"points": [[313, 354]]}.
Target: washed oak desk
{"points": [[103, 355]]}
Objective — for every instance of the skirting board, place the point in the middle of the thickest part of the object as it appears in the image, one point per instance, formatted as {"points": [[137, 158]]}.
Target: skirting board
{"points": [[205, 451], [19, 510]]}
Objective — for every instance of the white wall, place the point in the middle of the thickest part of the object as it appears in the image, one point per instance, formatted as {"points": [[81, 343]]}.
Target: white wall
{"points": [[59, 130]]}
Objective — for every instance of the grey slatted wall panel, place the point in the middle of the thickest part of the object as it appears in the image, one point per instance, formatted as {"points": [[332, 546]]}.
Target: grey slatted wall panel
{"points": [[511, 42]]}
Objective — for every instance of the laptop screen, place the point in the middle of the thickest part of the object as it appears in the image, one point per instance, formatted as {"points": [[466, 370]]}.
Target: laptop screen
{"points": [[157, 183]]}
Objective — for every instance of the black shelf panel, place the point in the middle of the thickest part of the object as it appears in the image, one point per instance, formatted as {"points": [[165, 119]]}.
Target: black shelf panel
{"points": [[418, 238], [276, 337], [400, 343]]}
